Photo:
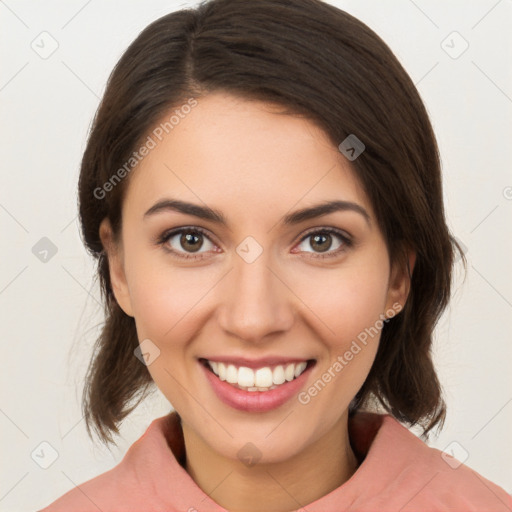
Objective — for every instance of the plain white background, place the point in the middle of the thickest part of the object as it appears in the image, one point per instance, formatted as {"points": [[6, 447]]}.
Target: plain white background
{"points": [[51, 310]]}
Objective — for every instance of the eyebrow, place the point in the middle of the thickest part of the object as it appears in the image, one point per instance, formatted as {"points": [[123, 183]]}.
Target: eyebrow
{"points": [[206, 213]]}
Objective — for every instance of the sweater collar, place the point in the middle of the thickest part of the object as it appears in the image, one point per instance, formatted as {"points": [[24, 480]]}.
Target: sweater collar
{"points": [[159, 457]]}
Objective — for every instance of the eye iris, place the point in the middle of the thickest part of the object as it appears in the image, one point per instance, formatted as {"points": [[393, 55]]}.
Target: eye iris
{"points": [[317, 239], [189, 238]]}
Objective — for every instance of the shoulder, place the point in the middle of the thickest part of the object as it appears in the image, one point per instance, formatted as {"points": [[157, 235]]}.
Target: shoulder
{"points": [[95, 494], [129, 485], [426, 478]]}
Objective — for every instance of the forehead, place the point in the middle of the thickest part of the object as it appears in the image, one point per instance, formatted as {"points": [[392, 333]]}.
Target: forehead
{"points": [[243, 157]]}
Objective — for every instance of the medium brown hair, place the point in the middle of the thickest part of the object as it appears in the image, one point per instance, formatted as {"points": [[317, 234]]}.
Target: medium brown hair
{"points": [[315, 61]]}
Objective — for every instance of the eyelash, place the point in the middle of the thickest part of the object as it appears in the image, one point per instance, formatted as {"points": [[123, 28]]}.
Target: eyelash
{"points": [[167, 235]]}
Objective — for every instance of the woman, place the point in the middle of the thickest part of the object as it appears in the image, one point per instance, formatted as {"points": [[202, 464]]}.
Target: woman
{"points": [[262, 190]]}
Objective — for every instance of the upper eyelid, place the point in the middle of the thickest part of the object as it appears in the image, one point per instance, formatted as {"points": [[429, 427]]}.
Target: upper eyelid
{"points": [[169, 233], [330, 230]]}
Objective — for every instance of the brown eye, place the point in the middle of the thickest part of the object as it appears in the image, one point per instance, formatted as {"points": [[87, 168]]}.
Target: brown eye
{"points": [[321, 241], [184, 242], [191, 241]]}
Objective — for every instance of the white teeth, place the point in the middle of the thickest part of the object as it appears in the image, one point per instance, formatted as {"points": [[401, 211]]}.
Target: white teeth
{"points": [[261, 379], [278, 375], [300, 368], [289, 373], [221, 371], [245, 376], [231, 374]]}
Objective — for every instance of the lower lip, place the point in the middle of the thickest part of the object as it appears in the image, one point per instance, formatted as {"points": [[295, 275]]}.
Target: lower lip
{"points": [[255, 401]]}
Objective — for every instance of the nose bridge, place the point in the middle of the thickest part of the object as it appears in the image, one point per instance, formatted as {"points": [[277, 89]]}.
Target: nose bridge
{"points": [[255, 302]]}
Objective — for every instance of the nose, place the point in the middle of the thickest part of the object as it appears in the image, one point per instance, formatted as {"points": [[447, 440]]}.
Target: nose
{"points": [[256, 302]]}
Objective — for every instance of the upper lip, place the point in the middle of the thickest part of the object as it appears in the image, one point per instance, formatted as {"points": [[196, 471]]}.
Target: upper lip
{"points": [[256, 363]]}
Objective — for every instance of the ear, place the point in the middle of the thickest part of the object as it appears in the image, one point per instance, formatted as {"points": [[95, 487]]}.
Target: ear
{"points": [[114, 253], [400, 281]]}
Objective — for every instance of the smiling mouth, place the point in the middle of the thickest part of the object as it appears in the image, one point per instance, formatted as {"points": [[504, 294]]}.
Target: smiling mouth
{"points": [[265, 378]]}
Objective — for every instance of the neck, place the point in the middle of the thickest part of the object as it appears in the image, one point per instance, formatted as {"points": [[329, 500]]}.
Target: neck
{"points": [[274, 487]]}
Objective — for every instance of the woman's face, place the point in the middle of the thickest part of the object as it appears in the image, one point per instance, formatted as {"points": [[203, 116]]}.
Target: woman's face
{"points": [[266, 286]]}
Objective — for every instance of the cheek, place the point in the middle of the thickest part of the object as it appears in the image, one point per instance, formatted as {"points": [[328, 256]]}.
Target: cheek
{"points": [[347, 311], [361, 302], [153, 292], [166, 300], [346, 300], [159, 303]]}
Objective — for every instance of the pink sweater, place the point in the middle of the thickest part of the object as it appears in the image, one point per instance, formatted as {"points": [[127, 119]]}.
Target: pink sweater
{"points": [[399, 473]]}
